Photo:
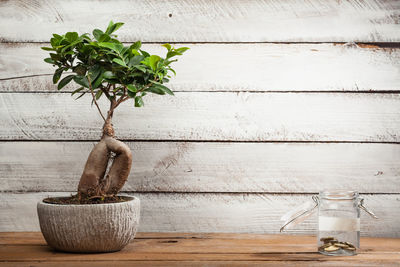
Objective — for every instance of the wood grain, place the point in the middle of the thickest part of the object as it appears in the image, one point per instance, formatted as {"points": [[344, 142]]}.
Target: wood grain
{"points": [[208, 116], [236, 67], [207, 21], [214, 242], [218, 252], [210, 167], [209, 263], [208, 212]]}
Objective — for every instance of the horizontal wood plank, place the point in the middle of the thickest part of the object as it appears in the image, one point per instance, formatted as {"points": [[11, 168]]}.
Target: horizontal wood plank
{"points": [[207, 212], [260, 248], [208, 116], [208, 263], [43, 253], [236, 67], [207, 21], [161, 242], [210, 167]]}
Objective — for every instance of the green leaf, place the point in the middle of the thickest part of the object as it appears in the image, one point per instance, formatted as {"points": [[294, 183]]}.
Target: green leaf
{"points": [[81, 80], [104, 38], [124, 52], [49, 60], [112, 27], [77, 90], [138, 101], [155, 90], [80, 70], [65, 81], [98, 94], [181, 49], [144, 53], [135, 52], [85, 36], [135, 60], [117, 26], [48, 48], [168, 46], [97, 33], [119, 61], [172, 54], [165, 89], [131, 94], [159, 89], [57, 75], [70, 45], [141, 69], [80, 96], [96, 83], [131, 88], [153, 60], [136, 45], [57, 36], [55, 57], [94, 72], [113, 46], [54, 41], [108, 75], [71, 36], [108, 45], [172, 70], [113, 40]]}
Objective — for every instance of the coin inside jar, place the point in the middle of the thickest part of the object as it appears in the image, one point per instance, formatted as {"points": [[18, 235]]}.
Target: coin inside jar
{"points": [[325, 246], [332, 245], [327, 239], [331, 248], [341, 245]]}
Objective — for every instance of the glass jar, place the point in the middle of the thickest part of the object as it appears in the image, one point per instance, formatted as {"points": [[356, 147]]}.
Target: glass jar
{"points": [[338, 221]]}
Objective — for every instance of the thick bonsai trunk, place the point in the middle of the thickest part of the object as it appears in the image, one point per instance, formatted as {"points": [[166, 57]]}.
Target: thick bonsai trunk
{"points": [[94, 180]]}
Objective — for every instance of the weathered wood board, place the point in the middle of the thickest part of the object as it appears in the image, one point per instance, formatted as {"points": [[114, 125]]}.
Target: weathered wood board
{"points": [[269, 102], [207, 21], [210, 167], [197, 249], [208, 212], [208, 116], [236, 67]]}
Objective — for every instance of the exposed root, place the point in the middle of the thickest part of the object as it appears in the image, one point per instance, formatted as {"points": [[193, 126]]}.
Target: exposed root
{"points": [[94, 183], [94, 170], [121, 166]]}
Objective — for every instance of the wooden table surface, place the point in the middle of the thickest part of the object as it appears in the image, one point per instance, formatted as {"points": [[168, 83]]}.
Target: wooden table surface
{"points": [[191, 249]]}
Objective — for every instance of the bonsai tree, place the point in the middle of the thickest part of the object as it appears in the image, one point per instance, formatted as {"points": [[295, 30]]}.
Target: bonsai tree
{"points": [[104, 67]]}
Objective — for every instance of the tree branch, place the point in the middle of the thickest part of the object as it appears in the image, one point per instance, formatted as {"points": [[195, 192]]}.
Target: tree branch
{"points": [[105, 91], [94, 98]]}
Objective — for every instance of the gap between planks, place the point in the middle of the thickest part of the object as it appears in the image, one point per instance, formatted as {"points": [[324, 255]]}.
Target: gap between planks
{"points": [[202, 141], [361, 44], [212, 91]]}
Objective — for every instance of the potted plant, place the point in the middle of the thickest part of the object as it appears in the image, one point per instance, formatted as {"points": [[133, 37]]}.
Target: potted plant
{"points": [[97, 219]]}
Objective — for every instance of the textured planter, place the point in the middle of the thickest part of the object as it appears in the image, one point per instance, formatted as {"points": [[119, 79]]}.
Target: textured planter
{"points": [[89, 228]]}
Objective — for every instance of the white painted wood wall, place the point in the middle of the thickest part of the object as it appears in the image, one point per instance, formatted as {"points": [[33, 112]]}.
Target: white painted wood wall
{"points": [[274, 103]]}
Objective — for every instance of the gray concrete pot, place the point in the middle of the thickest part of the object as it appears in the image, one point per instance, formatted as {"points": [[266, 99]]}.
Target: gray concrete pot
{"points": [[90, 227]]}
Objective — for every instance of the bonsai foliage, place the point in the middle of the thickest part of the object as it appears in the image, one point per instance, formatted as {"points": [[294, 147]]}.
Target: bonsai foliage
{"points": [[102, 66]]}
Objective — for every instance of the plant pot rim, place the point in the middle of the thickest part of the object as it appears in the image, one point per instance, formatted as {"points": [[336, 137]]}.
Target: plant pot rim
{"points": [[131, 199]]}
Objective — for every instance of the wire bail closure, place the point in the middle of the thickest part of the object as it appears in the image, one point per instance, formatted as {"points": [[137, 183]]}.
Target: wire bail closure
{"points": [[302, 212], [370, 213]]}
